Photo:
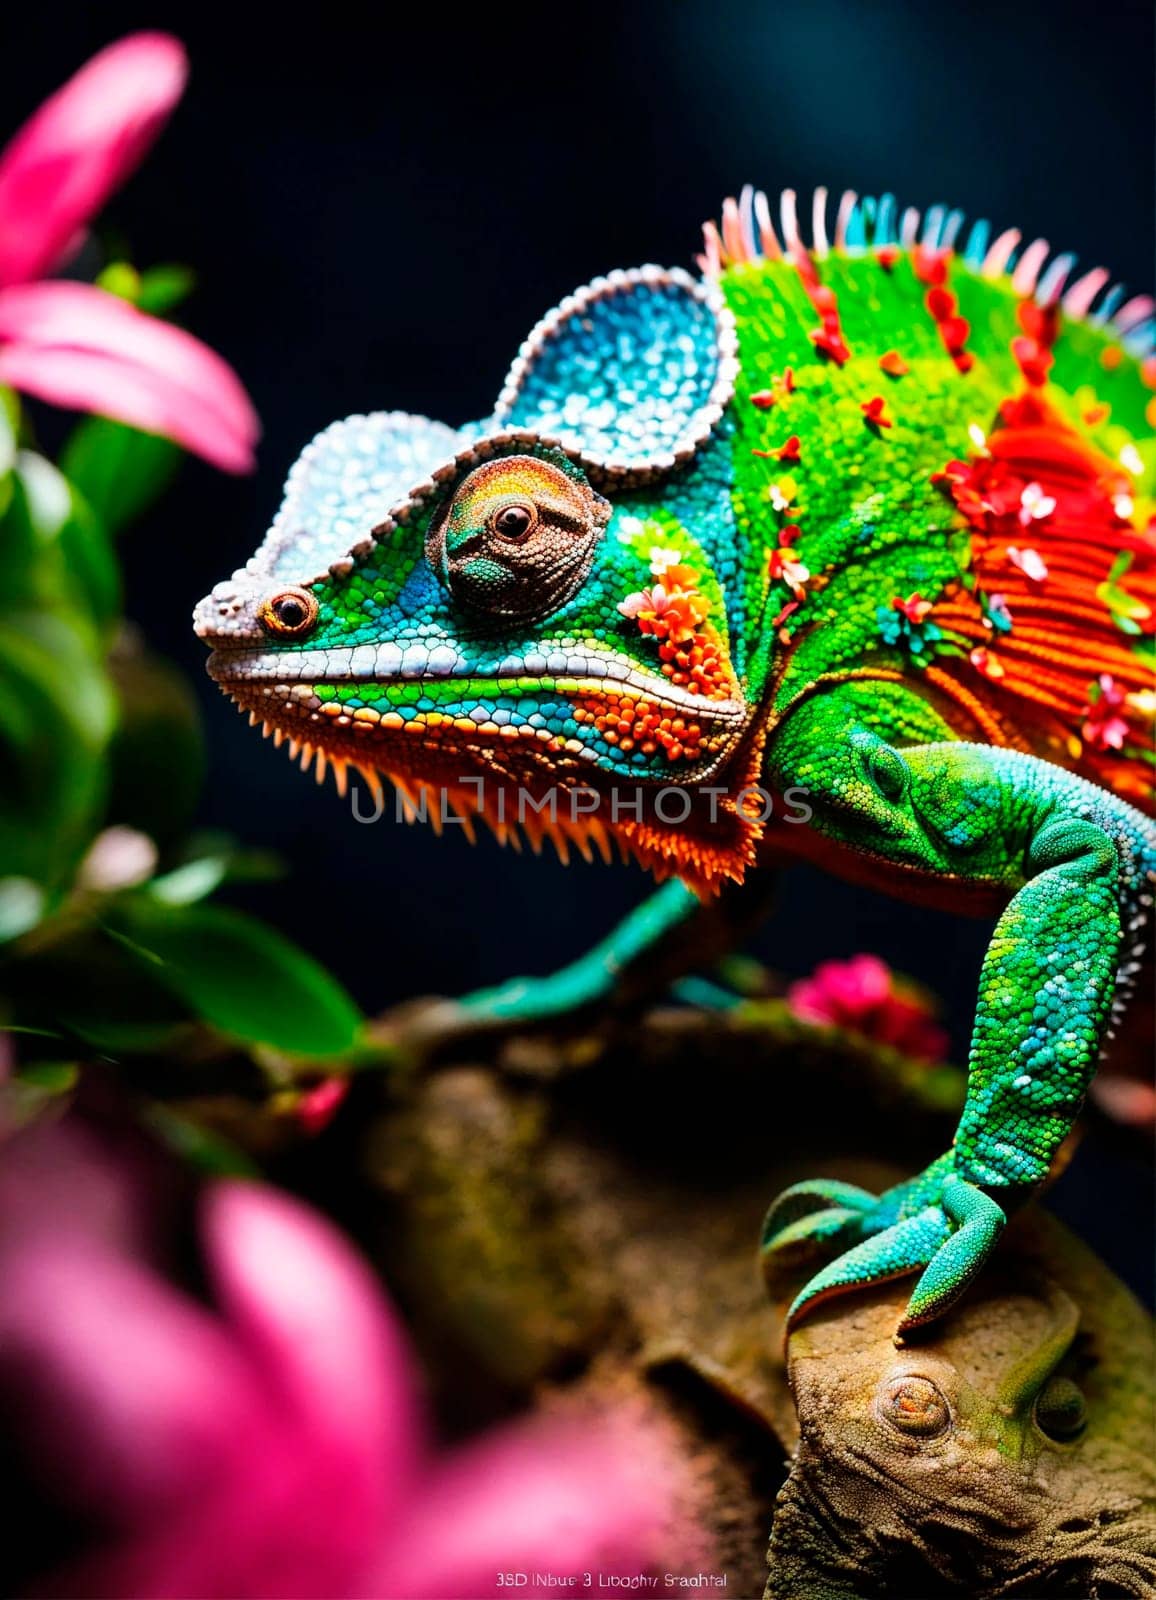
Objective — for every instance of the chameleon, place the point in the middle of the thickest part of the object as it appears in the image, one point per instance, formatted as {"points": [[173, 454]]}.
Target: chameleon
{"points": [[843, 550]]}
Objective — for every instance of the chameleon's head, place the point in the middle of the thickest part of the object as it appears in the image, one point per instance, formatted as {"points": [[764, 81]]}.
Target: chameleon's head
{"points": [[523, 620]]}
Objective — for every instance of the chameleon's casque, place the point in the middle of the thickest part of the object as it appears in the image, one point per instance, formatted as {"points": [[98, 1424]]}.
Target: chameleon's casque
{"points": [[869, 517]]}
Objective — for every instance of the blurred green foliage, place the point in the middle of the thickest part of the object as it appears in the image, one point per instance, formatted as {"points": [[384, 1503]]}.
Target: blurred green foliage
{"points": [[109, 946]]}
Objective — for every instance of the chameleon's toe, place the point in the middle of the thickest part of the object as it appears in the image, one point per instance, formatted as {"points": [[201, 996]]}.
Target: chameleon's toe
{"points": [[800, 1241], [904, 1247], [804, 1200], [947, 1240], [978, 1222], [806, 1217]]}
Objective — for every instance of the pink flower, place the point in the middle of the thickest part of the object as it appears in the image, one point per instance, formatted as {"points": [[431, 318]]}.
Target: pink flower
{"points": [[1029, 562], [71, 343], [85, 140], [1035, 504], [649, 600], [318, 1106], [784, 564], [1104, 728], [915, 608], [264, 1438], [1128, 1100], [668, 610], [864, 996], [983, 661]]}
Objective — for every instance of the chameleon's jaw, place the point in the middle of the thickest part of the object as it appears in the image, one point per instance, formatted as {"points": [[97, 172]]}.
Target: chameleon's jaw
{"points": [[577, 708], [441, 737]]}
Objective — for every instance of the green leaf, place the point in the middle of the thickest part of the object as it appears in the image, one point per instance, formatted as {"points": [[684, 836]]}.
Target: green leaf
{"points": [[55, 717], [51, 1077], [157, 752], [213, 859], [114, 1038], [119, 470], [242, 977], [122, 280], [197, 1145], [33, 1091], [164, 287], [62, 540], [9, 428], [196, 880]]}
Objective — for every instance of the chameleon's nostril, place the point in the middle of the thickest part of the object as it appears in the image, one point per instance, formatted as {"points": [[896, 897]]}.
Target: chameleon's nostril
{"points": [[228, 615]]}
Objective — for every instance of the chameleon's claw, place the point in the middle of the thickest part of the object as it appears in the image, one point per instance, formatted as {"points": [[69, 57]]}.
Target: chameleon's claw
{"points": [[937, 1222]]}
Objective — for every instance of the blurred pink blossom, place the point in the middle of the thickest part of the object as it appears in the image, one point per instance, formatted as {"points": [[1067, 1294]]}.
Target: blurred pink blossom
{"points": [[268, 1441], [319, 1105], [1128, 1100], [72, 343], [863, 995]]}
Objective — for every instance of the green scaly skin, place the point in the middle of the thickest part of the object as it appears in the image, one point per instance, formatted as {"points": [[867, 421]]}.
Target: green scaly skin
{"points": [[813, 689]]}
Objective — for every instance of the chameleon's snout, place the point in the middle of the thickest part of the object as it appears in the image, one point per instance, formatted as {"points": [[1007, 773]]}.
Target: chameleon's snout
{"points": [[243, 612], [228, 614]]}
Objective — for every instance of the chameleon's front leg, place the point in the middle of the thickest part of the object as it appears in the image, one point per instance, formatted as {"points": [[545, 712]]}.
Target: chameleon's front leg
{"points": [[1078, 866]]}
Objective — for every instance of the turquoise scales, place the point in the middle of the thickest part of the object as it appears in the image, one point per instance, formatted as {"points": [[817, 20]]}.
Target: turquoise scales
{"points": [[866, 518]]}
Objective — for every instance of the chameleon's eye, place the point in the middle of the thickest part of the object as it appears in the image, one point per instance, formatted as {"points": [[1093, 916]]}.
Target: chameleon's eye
{"points": [[516, 538], [888, 770], [289, 614], [514, 521]]}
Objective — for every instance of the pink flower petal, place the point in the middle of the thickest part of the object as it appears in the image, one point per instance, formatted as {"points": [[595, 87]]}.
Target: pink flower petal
{"points": [[127, 1393], [861, 995], [84, 381], [81, 144], [62, 1181], [279, 1531], [319, 1105], [78, 316], [319, 1324], [538, 1499], [1128, 1100], [1029, 562]]}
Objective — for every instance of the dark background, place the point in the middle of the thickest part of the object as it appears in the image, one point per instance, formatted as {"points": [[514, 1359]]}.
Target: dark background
{"points": [[378, 211]]}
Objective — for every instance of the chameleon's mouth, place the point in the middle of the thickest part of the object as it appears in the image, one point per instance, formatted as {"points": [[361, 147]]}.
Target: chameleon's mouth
{"points": [[573, 709], [494, 747], [439, 669]]}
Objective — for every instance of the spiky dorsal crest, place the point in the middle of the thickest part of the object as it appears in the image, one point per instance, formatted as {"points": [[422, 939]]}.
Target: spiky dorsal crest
{"points": [[747, 234]]}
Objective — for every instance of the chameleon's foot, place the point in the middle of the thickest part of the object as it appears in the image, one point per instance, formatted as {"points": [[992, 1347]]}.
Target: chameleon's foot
{"points": [[937, 1222]]}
